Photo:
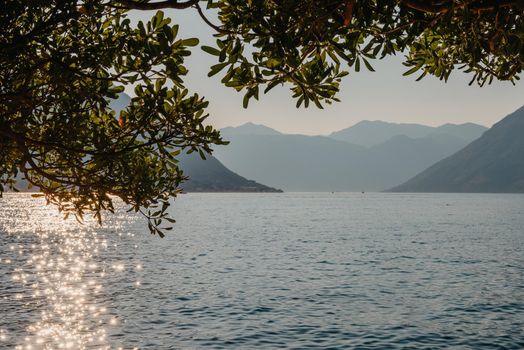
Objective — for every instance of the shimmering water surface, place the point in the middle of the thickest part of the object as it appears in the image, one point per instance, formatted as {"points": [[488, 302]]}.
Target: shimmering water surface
{"points": [[267, 271]]}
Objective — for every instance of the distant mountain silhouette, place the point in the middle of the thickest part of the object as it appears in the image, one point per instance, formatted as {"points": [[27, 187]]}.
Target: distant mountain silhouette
{"points": [[320, 163], [210, 175], [371, 133], [402, 156], [294, 162], [492, 163], [467, 131], [248, 129]]}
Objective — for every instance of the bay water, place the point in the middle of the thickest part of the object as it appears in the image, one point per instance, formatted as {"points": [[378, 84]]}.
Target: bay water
{"points": [[268, 271]]}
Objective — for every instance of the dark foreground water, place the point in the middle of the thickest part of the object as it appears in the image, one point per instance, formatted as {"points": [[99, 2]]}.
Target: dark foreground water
{"points": [[256, 271]]}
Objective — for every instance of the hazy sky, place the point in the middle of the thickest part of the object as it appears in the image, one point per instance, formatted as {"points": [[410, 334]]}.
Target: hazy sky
{"points": [[381, 95]]}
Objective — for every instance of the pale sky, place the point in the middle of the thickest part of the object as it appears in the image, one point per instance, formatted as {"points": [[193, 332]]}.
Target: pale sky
{"points": [[382, 95]]}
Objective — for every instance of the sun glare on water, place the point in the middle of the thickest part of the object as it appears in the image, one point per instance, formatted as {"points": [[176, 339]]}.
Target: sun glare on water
{"points": [[53, 264]]}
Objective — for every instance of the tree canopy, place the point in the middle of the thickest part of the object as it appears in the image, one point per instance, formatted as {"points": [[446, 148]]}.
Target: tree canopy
{"points": [[63, 61]]}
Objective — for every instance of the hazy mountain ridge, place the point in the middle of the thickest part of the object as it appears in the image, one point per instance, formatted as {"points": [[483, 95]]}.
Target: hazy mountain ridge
{"points": [[291, 162], [320, 163], [466, 131], [210, 175], [492, 163], [371, 133], [370, 156], [249, 129]]}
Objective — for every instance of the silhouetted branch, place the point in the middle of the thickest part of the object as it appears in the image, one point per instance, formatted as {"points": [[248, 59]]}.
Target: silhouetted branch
{"points": [[146, 5]]}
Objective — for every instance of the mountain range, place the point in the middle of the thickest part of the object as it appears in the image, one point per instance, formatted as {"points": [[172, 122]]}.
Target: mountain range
{"points": [[492, 163], [210, 175], [371, 133], [369, 156]]}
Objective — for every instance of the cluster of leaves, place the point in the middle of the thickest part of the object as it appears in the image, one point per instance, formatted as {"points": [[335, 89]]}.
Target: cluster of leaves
{"points": [[62, 61], [61, 64], [312, 44]]}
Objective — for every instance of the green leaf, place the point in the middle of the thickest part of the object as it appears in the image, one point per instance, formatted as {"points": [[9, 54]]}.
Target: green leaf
{"points": [[159, 16], [211, 50], [174, 30], [368, 65], [190, 42], [271, 85], [411, 71], [245, 100], [274, 62], [217, 68]]}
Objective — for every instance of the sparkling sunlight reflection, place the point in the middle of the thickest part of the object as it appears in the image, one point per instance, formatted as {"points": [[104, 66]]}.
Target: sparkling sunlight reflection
{"points": [[58, 277]]}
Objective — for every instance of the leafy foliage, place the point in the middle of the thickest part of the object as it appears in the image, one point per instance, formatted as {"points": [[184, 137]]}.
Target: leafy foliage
{"points": [[310, 43], [60, 67], [62, 61]]}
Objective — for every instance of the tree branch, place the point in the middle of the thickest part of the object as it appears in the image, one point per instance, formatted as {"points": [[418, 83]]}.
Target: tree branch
{"points": [[172, 4], [427, 7], [209, 23], [436, 7]]}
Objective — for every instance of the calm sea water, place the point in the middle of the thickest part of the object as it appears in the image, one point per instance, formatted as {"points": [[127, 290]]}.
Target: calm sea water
{"points": [[268, 271]]}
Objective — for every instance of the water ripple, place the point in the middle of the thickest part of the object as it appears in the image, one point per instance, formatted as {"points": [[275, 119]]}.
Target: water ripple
{"points": [[287, 271]]}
